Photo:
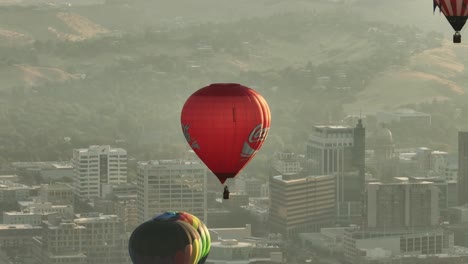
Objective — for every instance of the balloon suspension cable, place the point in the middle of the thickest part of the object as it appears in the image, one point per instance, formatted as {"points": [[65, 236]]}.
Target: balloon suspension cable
{"points": [[226, 193]]}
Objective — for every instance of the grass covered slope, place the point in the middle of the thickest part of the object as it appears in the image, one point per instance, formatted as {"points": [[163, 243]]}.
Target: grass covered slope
{"points": [[137, 82], [432, 74]]}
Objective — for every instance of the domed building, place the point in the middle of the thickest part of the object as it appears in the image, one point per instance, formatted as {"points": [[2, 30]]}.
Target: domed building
{"points": [[385, 162], [383, 144]]}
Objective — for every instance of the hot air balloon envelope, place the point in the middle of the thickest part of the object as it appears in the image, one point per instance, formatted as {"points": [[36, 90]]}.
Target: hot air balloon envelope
{"points": [[225, 124], [170, 238], [456, 12]]}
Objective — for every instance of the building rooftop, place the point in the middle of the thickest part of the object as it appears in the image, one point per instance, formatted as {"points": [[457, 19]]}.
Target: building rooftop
{"points": [[292, 178], [407, 156], [43, 165], [9, 177], [25, 203], [63, 224], [406, 112], [94, 217], [395, 231], [19, 213], [12, 185], [9, 227], [169, 162], [333, 127], [62, 165], [94, 148], [67, 256], [57, 186], [403, 181], [230, 228], [230, 243], [438, 152], [125, 196]]}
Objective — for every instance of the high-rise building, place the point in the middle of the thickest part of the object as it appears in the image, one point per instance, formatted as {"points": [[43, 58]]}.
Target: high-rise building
{"points": [[95, 166], [359, 151], [331, 148], [105, 239], [447, 192], [354, 190], [301, 204], [171, 185], [462, 167], [398, 205], [340, 150]]}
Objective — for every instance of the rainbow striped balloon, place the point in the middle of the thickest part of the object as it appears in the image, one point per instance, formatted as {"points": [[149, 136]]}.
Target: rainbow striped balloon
{"points": [[170, 238]]}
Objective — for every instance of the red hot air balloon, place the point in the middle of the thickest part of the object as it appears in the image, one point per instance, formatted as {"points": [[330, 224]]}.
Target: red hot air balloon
{"points": [[225, 124]]}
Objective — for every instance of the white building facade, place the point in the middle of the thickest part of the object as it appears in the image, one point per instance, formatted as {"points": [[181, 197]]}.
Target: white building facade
{"points": [[171, 185], [95, 166]]}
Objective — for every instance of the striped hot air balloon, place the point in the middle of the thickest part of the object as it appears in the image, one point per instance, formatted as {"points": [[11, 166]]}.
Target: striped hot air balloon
{"points": [[170, 238], [456, 12]]}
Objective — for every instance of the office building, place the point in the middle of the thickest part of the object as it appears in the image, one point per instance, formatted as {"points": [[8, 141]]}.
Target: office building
{"points": [[22, 218], [331, 148], [57, 193], [301, 204], [11, 192], [340, 151], [105, 239], [60, 242], [46, 170], [398, 205], [95, 166], [171, 185], [16, 242], [359, 244], [65, 211]]}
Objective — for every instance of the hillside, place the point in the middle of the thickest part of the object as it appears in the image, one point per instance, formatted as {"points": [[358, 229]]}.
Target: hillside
{"points": [[431, 74], [124, 71]]}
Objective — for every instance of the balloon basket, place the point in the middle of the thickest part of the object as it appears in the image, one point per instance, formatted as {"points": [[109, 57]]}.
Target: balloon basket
{"points": [[456, 38], [226, 193]]}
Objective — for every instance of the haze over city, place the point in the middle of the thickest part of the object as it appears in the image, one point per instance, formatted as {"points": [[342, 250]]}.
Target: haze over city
{"points": [[233, 132]]}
